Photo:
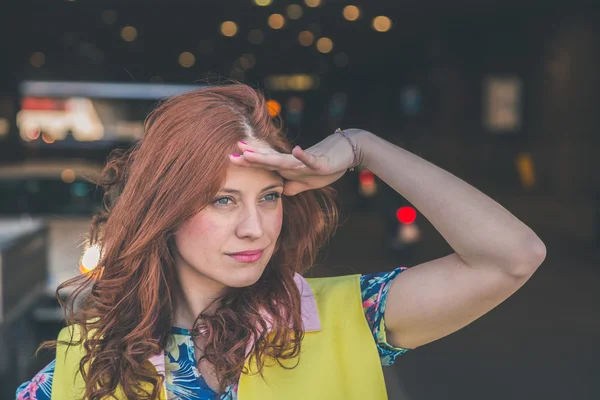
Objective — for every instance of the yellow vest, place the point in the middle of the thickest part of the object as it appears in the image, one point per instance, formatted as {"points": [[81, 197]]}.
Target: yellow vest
{"points": [[338, 362]]}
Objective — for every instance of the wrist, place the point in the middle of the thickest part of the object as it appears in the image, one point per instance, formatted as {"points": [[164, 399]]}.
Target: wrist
{"points": [[361, 138]]}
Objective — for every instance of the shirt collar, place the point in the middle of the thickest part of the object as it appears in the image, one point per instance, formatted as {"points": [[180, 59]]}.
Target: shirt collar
{"points": [[308, 304]]}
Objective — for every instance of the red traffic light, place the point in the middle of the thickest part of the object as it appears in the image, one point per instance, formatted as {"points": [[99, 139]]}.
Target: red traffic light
{"points": [[406, 215], [366, 177]]}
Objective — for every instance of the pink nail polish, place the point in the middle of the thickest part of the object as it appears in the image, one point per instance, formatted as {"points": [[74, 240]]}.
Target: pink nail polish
{"points": [[249, 151], [234, 155], [242, 142]]}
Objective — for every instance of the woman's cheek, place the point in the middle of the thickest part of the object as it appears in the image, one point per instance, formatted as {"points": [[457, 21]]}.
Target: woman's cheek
{"points": [[198, 227], [279, 220]]}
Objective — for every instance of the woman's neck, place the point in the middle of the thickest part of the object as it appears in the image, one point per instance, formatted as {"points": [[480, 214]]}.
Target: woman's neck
{"points": [[198, 294]]}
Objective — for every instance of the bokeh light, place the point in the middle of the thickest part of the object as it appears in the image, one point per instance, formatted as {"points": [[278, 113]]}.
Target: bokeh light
{"points": [[294, 82], [306, 38], [274, 107], [129, 33], [247, 61], [263, 3], [187, 59], [276, 21], [37, 59], [382, 23], [312, 3], [324, 45], [294, 11], [68, 176], [90, 259], [351, 13], [295, 104], [229, 28], [406, 215]]}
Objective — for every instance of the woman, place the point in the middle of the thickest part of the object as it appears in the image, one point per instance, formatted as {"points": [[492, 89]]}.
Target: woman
{"points": [[210, 221]]}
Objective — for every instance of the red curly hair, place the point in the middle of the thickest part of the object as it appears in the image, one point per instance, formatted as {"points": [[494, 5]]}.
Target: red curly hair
{"points": [[125, 307]]}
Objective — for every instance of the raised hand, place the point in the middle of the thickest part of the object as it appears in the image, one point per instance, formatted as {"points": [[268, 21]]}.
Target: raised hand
{"points": [[315, 167]]}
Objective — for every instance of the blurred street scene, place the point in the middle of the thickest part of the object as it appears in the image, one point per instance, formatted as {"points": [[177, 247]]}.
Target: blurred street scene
{"points": [[503, 94]]}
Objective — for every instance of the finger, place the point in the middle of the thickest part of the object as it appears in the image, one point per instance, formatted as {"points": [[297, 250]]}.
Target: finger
{"points": [[254, 146], [274, 160], [239, 160], [242, 146], [292, 188], [308, 159]]}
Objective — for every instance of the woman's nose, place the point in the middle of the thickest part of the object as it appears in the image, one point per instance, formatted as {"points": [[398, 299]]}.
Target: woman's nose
{"points": [[250, 224]]}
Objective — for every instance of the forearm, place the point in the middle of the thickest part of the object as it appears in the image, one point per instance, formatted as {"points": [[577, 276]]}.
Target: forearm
{"points": [[480, 231]]}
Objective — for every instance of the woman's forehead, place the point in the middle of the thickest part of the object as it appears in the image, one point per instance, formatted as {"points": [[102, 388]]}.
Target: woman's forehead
{"points": [[250, 177]]}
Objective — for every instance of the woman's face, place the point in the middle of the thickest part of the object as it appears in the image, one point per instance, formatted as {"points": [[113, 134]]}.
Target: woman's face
{"points": [[245, 216]]}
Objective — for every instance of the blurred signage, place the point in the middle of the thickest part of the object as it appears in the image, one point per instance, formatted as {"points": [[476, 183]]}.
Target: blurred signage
{"points": [[70, 114], [502, 104], [294, 82]]}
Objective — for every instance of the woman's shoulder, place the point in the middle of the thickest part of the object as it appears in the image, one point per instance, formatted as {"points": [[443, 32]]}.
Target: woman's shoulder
{"points": [[72, 334]]}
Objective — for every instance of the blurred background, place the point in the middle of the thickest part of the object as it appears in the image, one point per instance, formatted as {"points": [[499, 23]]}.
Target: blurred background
{"points": [[503, 94]]}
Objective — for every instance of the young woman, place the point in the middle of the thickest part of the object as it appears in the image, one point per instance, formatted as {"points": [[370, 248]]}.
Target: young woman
{"points": [[210, 222]]}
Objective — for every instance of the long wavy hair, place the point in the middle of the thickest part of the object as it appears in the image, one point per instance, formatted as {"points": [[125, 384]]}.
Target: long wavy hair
{"points": [[125, 307]]}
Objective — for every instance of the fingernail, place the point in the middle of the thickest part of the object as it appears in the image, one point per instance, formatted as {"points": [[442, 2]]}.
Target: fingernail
{"points": [[249, 151], [242, 142], [234, 155]]}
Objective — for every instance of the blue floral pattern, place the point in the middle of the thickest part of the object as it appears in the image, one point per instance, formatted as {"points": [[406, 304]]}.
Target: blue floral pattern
{"points": [[184, 382], [374, 290]]}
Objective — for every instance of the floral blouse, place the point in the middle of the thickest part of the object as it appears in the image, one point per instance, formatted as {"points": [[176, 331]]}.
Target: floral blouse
{"points": [[184, 382]]}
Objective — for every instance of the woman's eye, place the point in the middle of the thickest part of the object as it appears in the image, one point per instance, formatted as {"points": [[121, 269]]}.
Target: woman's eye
{"points": [[272, 196], [223, 201]]}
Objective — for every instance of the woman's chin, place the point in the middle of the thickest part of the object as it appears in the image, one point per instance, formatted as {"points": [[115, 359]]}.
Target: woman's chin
{"points": [[243, 278]]}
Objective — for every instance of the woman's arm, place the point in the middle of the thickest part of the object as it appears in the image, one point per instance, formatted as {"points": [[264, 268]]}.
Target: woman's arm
{"points": [[495, 253]]}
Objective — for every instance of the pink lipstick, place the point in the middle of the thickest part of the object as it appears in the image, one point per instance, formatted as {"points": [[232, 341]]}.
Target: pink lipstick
{"points": [[247, 256]]}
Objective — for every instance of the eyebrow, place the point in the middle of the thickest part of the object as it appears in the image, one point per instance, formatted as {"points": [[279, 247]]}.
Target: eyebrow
{"points": [[226, 190]]}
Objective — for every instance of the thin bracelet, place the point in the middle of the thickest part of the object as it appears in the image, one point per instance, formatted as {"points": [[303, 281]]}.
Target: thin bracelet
{"points": [[355, 164]]}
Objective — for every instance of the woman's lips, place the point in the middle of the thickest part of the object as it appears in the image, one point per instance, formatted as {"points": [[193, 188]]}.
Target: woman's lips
{"points": [[247, 257]]}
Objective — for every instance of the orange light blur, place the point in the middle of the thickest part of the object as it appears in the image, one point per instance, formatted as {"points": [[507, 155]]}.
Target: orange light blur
{"points": [[274, 108], [351, 13], [68, 176], [229, 28], [324, 45], [382, 23], [276, 21]]}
